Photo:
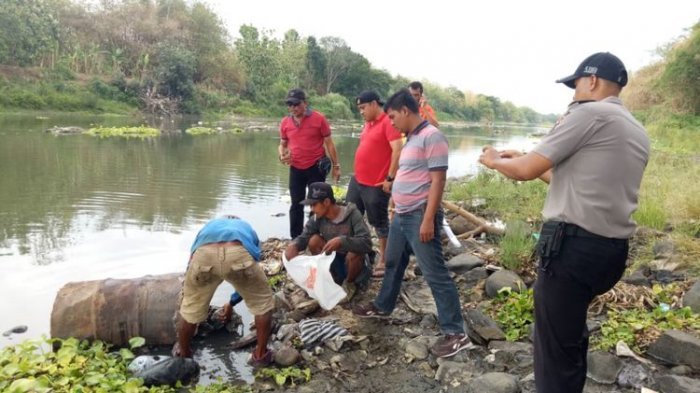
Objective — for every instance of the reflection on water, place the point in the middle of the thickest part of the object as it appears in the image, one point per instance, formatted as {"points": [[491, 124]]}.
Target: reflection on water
{"points": [[76, 208]]}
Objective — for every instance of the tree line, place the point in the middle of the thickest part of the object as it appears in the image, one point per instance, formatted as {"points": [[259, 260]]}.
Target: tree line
{"points": [[177, 54]]}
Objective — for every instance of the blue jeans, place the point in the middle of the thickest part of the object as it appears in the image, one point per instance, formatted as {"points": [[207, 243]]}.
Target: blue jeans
{"points": [[404, 237]]}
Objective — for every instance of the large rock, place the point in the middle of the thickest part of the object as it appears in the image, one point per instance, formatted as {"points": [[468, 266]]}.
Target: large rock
{"points": [[417, 349], [495, 383], [603, 367], [692, 298], [449, 371], [463, 263], [460, 225], [676, 347], [475, 275], [503, 279], [637, 278], [663, 249], [287, 356], [634, 376], [482, 329], [677, 384]]}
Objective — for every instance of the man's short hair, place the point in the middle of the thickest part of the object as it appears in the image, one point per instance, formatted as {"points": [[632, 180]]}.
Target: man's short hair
{"points": [[400, 99], [416, 86]]}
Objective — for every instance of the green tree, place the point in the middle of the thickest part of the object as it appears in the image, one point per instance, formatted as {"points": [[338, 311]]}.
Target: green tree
{"points": [[259, 55], [28, 29], [315, 65], [175, 72]]}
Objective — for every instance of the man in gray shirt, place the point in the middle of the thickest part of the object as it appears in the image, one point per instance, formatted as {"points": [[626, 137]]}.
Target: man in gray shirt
{"points": [[593, 160]]}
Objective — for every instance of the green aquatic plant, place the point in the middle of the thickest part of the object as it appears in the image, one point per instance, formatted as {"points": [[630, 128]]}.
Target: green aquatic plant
{"points": [[80, 366], [124, 132], [76, 365], [514, 312], [281, 376]]}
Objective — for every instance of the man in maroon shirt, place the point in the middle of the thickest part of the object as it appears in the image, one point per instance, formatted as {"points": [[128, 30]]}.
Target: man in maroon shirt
{"points": [[376, 163], [303, 136]]}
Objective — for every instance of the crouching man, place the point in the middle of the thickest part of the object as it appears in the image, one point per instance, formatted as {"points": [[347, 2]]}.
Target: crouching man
{"points": [[225, 249], [342, 229]]}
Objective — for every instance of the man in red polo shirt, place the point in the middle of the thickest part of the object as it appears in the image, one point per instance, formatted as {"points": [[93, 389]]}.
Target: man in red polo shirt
{"points": [[303, 136], [376, 163]]}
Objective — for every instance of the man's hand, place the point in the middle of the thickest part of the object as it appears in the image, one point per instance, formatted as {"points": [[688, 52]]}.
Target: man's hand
{"points": [[286, 157], [336, 173], [489, 156], [427, 231], [510, 153], [386, 186], [332, 245], [225, 313], [291, 252]]}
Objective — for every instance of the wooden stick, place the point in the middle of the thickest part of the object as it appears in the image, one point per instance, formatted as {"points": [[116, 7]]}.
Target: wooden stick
{"points": [[478, 221]]}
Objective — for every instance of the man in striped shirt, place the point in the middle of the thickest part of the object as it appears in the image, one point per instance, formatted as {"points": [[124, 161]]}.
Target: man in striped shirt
{"points": [[417, 193]]}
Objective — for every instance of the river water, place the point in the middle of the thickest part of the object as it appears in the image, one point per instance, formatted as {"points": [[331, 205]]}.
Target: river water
{"points": [[76, 207]]}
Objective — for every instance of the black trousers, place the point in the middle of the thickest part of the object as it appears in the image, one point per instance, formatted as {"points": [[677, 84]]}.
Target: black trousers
{"points": [[299, 179], [586, 266]]}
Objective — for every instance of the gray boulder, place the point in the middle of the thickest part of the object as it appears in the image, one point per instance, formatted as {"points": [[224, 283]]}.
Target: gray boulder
{"points": [[417, 349], [475, 275], [482, 329], [287, 356], [603, 367], [495, 383], [692, 298], [663, 249], [449, 371], [637, 278], [634, 376], [503, 279], [677, 384], [460, 225], [676, 347], [463, 263]]}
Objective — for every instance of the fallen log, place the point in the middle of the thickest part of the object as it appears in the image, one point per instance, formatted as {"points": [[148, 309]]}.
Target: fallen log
{"points": [[478, 221]]}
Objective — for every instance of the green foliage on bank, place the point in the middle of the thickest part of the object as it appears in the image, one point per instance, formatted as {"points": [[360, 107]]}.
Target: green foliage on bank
{"points": [[514, 312], [178, 54]]}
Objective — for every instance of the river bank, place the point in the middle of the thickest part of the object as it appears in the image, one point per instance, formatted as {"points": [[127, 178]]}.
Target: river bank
{"points": [[641, 336]]}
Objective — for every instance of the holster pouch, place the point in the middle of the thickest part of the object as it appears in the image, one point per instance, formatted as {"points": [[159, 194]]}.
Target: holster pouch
{"points": [[549, 244], [324, 165]]}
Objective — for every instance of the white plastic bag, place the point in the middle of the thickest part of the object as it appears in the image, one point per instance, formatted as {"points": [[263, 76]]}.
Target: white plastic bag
{"points": [[312, 272]]}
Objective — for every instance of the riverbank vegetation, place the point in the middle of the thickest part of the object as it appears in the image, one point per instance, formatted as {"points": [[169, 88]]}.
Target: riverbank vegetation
{"points": [[665, 96], [668, 200], [177, 56]]}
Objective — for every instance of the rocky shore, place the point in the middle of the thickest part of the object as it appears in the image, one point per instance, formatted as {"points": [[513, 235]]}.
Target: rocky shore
{"points": [[391, 355]]}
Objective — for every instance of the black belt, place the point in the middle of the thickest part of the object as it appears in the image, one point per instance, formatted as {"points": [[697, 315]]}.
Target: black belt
{"points": [[574, 230]]}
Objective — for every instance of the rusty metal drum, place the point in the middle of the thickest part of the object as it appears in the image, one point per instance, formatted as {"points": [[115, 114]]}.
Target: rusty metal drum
{"points": [[115, 310]]}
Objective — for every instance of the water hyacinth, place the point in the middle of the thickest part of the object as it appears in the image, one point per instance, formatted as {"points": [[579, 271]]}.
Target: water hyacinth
{"points": [[124, 132]]}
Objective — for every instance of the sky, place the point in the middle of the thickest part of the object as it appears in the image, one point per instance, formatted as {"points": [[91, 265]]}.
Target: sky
{"points": [[513, 50]]}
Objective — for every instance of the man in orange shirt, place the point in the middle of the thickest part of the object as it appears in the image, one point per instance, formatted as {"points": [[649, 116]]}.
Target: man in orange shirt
{"points": [[376, 163], [425, 110]]}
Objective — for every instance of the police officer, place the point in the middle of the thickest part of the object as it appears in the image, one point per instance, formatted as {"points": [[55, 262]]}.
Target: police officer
{"points": [[593, 160]]}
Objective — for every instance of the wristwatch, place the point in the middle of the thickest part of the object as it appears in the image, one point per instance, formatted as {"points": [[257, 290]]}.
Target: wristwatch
{"points": [[389, 178]]}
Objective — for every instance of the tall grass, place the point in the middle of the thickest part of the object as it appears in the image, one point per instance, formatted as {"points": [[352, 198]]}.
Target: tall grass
{"points": [[503, 198], [517, 245]]}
